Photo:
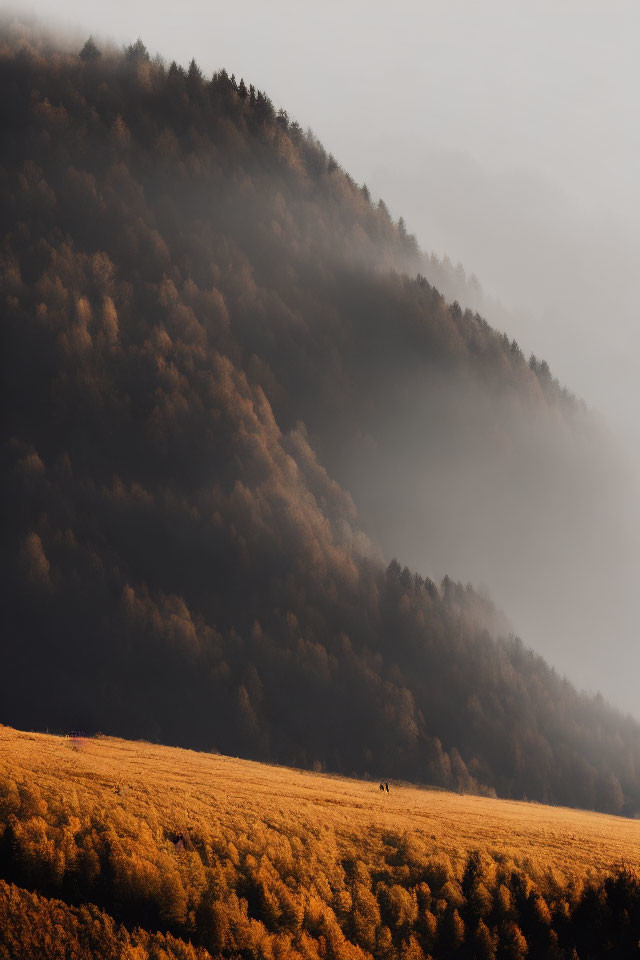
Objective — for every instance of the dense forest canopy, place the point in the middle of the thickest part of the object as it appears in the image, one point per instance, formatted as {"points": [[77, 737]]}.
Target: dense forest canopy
{"points": [[220, 359]]}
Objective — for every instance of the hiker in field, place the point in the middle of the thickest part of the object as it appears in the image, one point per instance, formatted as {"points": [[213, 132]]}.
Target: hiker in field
{"points": [[386, 787], [382, 787]]}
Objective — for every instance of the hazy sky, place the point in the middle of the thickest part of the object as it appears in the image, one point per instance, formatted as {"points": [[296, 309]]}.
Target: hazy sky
{"points": [[506, 133]]}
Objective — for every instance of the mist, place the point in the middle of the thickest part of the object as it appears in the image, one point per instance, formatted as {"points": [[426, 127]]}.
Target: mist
{"points": [[506, 137], [566, 273], [534, 512]]}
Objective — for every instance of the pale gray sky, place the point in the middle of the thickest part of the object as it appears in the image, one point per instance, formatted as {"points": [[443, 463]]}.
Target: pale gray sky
{"points": [[507, 134]]}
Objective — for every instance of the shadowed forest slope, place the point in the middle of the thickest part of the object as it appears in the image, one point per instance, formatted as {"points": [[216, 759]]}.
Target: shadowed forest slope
{"points": [[211, 339], [138, 850]]}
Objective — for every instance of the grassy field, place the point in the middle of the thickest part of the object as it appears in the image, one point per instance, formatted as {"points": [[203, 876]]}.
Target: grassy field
{"points": [[182, 790], [237, 857]]}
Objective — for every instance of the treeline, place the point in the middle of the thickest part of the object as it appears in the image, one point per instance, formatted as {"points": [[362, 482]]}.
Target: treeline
{"points": [[512, 922], [201, 314], [104, 883], [601, 921]]}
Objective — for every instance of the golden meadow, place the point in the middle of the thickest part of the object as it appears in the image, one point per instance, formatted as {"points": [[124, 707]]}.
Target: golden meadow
{"points": [[111, 848]]}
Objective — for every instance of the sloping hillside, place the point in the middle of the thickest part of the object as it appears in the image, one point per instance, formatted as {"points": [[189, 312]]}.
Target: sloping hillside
{"points": [[214, 347], [242, 858]]}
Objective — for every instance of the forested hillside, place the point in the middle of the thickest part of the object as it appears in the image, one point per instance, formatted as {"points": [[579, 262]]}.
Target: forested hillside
{"points": [[211, 340]]}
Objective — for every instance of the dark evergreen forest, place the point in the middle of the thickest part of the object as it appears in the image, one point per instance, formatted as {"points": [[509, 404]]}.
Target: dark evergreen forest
{"points": [[211, 336]]}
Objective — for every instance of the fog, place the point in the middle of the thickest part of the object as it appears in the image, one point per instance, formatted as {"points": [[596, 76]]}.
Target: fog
{"points": [[507, 136]]}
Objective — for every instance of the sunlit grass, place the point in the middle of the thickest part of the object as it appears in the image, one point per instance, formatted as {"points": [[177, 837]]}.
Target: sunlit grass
{"points": [[202, 855], [181, 790]]}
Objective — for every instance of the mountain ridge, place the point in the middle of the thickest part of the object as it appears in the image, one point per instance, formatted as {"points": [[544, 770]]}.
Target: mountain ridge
{"points": [[204, 318]]}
